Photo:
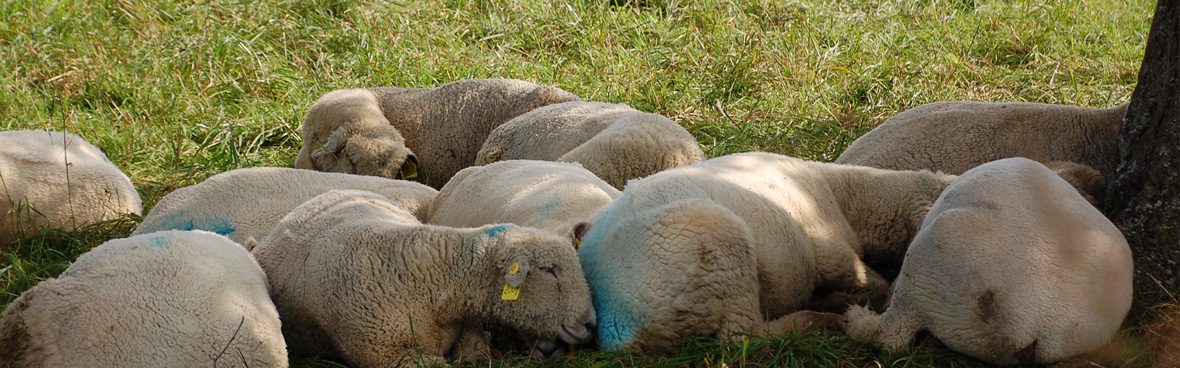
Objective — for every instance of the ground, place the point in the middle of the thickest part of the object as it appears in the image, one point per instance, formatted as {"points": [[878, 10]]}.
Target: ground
{"points": [[175, 92]]}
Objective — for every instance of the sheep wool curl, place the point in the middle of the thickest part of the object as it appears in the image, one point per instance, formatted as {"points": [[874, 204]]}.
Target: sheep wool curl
{"points": [[953, 137], [355, 274], [806, 224], [1011, 266], [244, 204], [168, 299], [553, 196], [615, 141], [430, 133], [58, 180]]}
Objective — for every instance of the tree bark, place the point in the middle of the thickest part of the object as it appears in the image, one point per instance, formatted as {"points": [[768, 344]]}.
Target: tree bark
{"points": [[1143, 197]]}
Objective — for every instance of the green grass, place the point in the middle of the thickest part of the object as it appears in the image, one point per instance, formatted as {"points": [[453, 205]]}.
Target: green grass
{"points": [[175, 92]]}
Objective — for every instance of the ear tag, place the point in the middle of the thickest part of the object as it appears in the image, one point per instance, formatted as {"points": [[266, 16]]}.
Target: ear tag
{"points": [[577, 243], [511, 293]]}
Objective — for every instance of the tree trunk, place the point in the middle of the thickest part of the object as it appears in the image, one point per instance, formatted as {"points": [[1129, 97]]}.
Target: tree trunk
{"points": [[1143, 197]]}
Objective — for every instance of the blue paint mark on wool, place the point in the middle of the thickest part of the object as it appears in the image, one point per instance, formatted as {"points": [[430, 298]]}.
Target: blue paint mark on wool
{"points": [[495, 231], [179, 221], [159, 241], [617, 322]]}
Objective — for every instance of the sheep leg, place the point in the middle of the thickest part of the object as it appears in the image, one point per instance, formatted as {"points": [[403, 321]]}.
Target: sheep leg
{"points": [[806, 321], [893, 331], [473, 344], [842, 269]]}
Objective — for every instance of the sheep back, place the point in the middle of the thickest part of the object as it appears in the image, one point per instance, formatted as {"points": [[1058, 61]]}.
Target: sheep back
{"points": [[245, 204], [953, 137], [541, 194], [615, 141]]}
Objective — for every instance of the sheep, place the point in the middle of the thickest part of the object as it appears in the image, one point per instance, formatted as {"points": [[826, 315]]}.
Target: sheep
{"points": [[553, 196], [58, 180], [953, 137], [615, 141], [400, 132], [796, 225], [354, 275], [1010, 266], [167, 299], [244, 204]]}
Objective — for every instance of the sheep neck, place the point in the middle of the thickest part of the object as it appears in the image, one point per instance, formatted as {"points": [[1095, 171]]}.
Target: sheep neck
{"points": [[466, 255], [884, 207]]}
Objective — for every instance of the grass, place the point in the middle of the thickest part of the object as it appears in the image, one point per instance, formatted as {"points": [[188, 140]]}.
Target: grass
{"points": [[174, 92]]}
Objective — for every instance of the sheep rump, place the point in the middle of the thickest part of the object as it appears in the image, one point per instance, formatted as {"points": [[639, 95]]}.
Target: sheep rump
{"points": [[1010, 266]]}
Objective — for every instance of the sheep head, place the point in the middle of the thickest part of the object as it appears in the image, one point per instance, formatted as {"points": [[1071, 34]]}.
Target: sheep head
{"points": [[539, 289], [377, 151]]}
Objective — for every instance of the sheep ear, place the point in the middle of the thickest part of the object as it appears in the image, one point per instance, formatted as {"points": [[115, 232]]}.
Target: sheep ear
{"points": [[250, 244], [579, 230], [332, 146], [515, 271]]}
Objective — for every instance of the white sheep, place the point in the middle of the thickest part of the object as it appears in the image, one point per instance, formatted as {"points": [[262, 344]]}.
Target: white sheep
{"points": [[1010, 266], [615, 141], [58, 180], [805, 224], [354, 274], [553, 196], [953, 137], [244, 204], [428, 132], [168, 299]]}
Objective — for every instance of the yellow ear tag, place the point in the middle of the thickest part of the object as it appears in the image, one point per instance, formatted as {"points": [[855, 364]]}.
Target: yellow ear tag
{"points": [[577, 243], [509, 293]]}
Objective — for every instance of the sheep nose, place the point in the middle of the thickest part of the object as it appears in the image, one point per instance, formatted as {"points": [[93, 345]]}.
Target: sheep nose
{"points": [[576, 334], [590, 319], [547, 347]]}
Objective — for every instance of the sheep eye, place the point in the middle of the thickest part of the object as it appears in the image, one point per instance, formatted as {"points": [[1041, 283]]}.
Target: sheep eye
{"points": [[552, 270]]}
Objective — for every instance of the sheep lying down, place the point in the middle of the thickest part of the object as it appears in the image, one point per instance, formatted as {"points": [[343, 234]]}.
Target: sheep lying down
{"points": [[244, 204], [1010, 266], [58, 180], [167, 299], [429, 133], [614, 141], [553, 196], [954, 136], [355, 275], [722, 246]]}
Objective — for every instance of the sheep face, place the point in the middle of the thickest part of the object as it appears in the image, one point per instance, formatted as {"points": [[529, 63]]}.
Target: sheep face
{"points": [[380, 152], [541, 290]]}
